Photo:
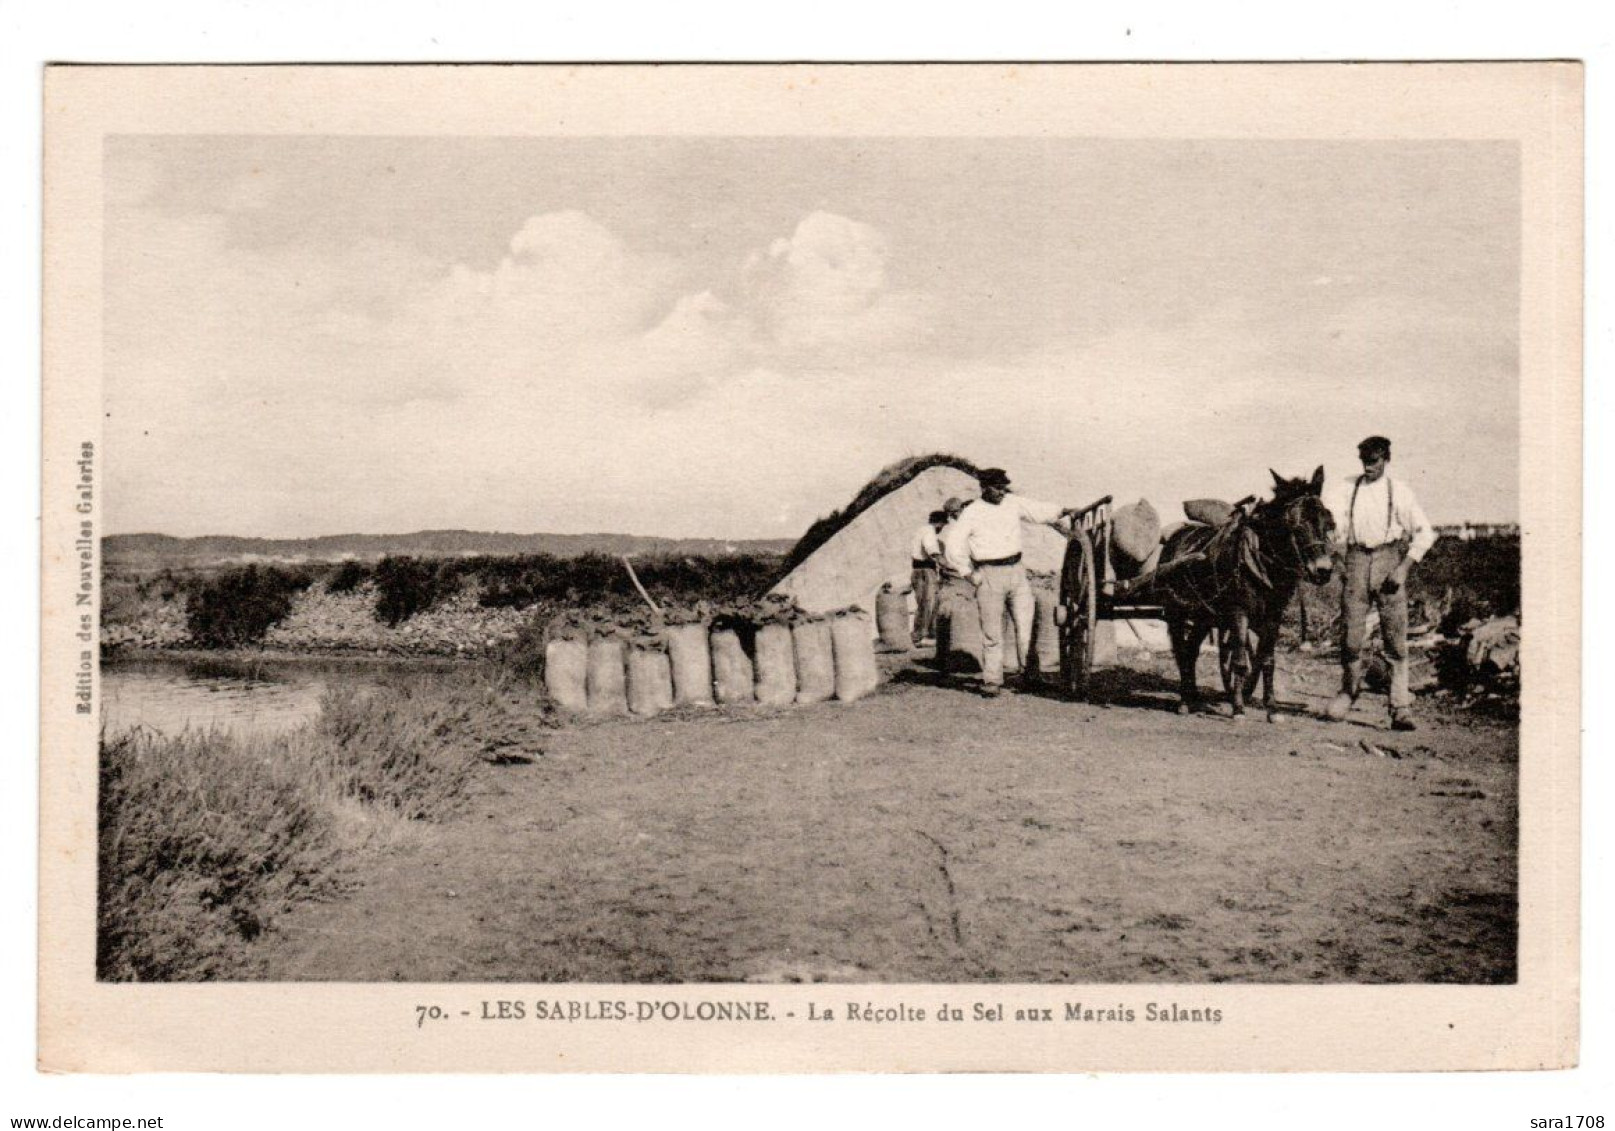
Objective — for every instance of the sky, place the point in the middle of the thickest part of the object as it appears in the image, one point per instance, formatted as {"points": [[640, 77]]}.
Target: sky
{"points": [[727, 337]]}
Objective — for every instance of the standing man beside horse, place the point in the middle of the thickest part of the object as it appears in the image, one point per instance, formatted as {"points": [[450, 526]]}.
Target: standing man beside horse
{"points": [[1385, 534], [985, 546]]}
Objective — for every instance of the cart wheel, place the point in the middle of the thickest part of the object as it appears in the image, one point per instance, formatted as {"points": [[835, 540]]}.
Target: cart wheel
{"points": [[1079, 599]]}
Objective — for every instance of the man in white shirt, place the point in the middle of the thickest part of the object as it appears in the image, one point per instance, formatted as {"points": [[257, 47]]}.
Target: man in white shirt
{"points": [[925, 557], [1385, 534], [953, 508], [985, 546]]}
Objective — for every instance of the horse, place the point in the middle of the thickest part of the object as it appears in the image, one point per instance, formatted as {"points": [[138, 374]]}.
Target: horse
{"points": [[1237, 578]]}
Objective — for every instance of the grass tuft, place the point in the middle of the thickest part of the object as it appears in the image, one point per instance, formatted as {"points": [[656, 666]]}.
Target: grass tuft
{"points": [[207, 838], [204, 839]]}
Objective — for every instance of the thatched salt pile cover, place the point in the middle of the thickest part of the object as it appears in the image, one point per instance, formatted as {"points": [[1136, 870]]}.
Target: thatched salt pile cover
{"points": [[846, 557]]}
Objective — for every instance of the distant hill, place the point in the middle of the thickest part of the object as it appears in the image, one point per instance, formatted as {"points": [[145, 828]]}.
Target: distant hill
{"points": [[153, 551]]}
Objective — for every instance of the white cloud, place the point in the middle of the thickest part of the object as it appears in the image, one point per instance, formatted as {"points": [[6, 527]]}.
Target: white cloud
{"points": [[568, 239], [567, 280], [573, 304], [825, 289], [699, 345], [579, 383]]}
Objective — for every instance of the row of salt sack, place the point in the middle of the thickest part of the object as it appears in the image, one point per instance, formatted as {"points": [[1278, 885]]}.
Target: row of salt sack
{"points": [[808, 662]]}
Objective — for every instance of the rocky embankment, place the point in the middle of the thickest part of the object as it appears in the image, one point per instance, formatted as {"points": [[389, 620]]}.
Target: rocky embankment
{"points": [[325, 622], [145, 623]]}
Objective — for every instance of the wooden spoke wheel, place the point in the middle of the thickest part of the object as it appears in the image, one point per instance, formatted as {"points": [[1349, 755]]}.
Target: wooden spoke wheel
{"points": [[1079, 605]]}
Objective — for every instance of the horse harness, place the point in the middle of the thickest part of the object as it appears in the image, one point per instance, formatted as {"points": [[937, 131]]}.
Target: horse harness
{"points": [[1257, 561]]}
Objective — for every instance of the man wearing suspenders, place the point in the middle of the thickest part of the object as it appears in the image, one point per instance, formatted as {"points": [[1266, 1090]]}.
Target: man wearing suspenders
{"points": [[1386, 533]]}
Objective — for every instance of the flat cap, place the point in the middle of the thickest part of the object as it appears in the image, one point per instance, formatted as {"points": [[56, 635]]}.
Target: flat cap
{"points": [[1374, 445]]}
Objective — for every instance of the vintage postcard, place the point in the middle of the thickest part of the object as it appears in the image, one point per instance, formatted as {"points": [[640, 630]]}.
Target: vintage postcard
{"points": [[811, 568]]}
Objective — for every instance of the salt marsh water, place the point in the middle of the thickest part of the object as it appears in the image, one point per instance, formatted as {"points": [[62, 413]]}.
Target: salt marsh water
{"points": [[248, 697]]}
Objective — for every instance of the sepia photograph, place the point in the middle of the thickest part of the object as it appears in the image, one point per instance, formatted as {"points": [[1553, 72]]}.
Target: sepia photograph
{"points": [[755, 573], [397, 431]]}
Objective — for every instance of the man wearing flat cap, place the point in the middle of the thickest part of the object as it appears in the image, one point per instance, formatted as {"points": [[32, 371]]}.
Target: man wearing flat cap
{"points": [[1385, 534], [985, 546]]}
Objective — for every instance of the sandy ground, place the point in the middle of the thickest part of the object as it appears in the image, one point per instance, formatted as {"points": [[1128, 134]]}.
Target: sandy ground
{"points": [[930, 835]]}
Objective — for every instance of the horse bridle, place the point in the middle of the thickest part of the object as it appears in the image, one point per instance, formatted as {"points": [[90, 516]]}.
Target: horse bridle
{"points": [[1290, 530]]}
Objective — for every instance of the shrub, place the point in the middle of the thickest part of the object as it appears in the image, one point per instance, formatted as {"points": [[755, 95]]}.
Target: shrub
{"points": [[236, 607], [535, 579], [348, 577], [1464, 580], [165, 586], [405, 749], [205, 839], [240, 605], [406, 586], [674, 580], [1456, 582], [530, 579], [121, 599], [523, 654]]}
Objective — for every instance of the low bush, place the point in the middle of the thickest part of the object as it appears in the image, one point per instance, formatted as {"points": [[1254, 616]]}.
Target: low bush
{"points": [[407, 749], [536, 579], [523, 654], [676, 580], [348, 577], [531, 579], [406, 586], [1455, 583], [1465, 580], [121, 600], [205, 839], [238, 606]]}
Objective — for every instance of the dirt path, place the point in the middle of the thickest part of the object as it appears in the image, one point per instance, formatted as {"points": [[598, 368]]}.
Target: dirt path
{"points": [[928, 835]]}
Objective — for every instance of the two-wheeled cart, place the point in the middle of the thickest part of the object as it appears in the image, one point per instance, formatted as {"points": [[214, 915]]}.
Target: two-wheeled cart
{"points": [[1089, 593]]}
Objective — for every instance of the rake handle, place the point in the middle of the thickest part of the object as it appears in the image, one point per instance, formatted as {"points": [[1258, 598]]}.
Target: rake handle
{"points": [[634, 577]]}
